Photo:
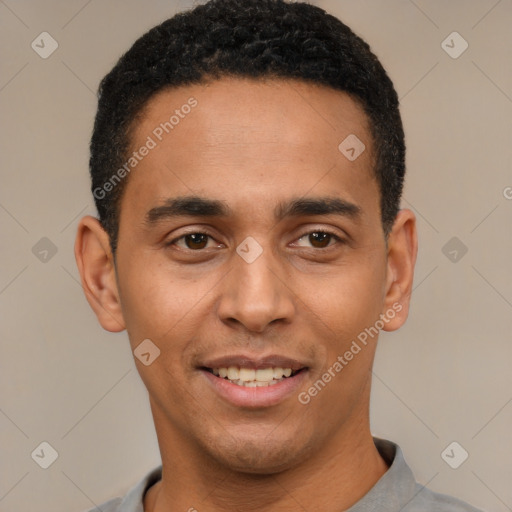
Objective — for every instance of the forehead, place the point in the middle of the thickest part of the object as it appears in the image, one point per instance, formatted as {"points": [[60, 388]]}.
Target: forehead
{"points": [[256, 107], [243, 139]]}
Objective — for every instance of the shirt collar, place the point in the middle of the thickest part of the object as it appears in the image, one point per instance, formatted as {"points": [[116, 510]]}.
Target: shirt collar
{"points": [[395, 488]]}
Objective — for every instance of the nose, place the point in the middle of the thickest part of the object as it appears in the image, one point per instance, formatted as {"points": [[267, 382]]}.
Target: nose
{"points": [[256, 294]]}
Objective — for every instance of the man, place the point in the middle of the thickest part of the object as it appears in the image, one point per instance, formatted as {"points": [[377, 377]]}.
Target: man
{"points": [[247, 163]]}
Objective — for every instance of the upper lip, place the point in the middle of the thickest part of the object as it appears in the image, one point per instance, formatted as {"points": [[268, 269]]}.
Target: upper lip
{"points": [[255, 362]]}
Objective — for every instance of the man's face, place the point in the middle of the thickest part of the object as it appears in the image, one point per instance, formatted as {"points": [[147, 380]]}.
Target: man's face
{"points": [[190, 283]]}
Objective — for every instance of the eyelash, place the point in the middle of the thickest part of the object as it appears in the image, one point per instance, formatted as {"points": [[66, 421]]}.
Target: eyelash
{"points": [[323, 231]]}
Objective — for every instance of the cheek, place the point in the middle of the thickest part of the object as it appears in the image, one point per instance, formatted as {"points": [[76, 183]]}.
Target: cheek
{"points": [[162, 304], [152, 300], [348, 300], [156, 306]]}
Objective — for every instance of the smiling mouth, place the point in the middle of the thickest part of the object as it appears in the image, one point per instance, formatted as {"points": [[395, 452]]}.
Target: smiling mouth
{"points": [[252, 378]]}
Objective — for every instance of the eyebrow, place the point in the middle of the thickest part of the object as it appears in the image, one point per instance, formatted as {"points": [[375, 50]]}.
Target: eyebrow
{"points": [[194, 206]]}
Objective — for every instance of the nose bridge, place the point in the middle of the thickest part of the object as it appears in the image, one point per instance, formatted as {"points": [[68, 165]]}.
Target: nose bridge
{"points": [[254, 293]]}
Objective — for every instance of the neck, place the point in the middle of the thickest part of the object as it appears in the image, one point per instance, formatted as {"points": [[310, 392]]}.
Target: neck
{"points": [[332, 479]]}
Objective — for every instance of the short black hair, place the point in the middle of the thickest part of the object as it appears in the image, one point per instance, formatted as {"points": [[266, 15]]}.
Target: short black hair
{"points": [[252, 39]]}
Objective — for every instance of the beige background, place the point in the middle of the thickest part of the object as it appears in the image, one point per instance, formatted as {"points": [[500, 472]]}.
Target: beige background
{"points": [[446, 376]]}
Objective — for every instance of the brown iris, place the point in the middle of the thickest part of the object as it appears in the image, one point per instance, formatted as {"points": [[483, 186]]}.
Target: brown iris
{"points": [[319, 237], [196, 240]]}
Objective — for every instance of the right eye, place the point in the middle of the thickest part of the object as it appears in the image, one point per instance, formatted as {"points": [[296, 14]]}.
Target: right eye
{"points": [[191, 241]]}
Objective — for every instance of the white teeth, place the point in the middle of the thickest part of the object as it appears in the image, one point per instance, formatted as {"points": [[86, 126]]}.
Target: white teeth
{"points": [[246, 374], [251, 378], [278, 373], [253, 384], [265, 375], [233, 373]]}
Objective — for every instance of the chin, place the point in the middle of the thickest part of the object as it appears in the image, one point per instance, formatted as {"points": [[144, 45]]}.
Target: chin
{"points": [[266, 455]]}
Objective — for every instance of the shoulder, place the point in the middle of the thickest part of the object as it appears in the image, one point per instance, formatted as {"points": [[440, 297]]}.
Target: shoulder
{"points": [[112, 505], [399, 490], [133, 501], [425, 500]]}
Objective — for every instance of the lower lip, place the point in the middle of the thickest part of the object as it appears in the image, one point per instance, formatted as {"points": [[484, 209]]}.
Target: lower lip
{"points": [[264, 396]]}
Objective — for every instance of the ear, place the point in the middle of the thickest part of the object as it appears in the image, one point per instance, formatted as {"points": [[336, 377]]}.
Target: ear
{"points": [[401, 258], [97, 271]]}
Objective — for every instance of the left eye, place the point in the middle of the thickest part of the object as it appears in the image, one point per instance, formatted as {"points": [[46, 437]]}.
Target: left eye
{"points": [[319, 239]]}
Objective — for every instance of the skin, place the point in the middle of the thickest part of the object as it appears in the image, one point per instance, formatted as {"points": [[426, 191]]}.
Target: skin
{"points": [[254, 145]]}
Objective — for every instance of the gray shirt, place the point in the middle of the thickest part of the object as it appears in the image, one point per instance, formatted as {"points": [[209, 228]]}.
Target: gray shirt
{"points": [[396, 491]]}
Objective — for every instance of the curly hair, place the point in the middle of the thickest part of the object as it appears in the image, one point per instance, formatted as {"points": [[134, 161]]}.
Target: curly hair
{"points": [[251, 39]]}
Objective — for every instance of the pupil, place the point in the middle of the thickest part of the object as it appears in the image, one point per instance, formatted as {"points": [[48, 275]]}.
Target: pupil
{"points": [[195, 240], [319, 238]]}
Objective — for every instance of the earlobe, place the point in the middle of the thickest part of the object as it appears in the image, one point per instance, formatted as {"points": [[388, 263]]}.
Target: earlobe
{"points": [[96, 266], [401, 258]]}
